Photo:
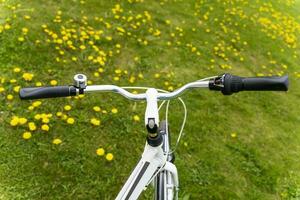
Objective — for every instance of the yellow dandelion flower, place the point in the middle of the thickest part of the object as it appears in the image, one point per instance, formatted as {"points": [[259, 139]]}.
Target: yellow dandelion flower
{"points": [[22, 120], [25, 30], [114, 110], [67, 107], [45, 120], [38, 84], [96, 108], [2, 89], [64, 117], [109, 156], [100, 70], [82, 47], [100, 152], [27, 17], [116, 78], [14, 121], [26, 135], [59, 41], [45, 127], [12, 80], [36, 103], [57, 141], [59, 114], [7, 26], [70, 120], [31, 126], [233, 135], [16, 88], [9, 97], [95, 122], [21, 39], [17, 69], [53, 82], [30, 108], [27, 76], [37, 116], [136, 118]]}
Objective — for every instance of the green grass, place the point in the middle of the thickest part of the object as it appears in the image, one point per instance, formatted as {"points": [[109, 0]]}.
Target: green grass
{"points": [[261, 162]]}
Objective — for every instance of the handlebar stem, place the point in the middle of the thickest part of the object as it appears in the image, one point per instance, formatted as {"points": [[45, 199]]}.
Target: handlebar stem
{"points": [[151, 114]]}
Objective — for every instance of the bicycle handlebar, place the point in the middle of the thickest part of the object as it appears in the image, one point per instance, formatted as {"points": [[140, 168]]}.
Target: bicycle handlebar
{"points": [[47, 92], [226, 83], [229, 84]]}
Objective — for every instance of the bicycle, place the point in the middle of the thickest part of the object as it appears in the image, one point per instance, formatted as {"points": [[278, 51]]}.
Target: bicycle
{"points": [[156, 165]]}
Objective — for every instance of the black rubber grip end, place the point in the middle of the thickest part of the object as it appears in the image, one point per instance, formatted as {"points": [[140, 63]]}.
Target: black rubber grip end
{"points": [[46, 92], [233, 84]]}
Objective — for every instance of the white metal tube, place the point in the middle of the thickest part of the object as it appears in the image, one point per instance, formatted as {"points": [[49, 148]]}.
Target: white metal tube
{"points": [[160, 96], [113, 88]]}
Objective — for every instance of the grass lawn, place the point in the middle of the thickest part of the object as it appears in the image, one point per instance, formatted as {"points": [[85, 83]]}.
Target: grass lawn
{"points": [[244, 146]]}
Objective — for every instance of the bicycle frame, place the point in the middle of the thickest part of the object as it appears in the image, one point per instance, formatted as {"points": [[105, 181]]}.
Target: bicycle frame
{"points": [[154, 160], [156, 165]]}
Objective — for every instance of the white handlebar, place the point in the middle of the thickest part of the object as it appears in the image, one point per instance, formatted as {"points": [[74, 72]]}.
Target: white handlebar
{"points": [[142, 96]]}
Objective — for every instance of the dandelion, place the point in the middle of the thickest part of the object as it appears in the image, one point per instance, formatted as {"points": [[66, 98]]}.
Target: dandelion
{"points": [[100, 152], [67, 108], [27, 17], [16, 88], [22, 120], [53, 82], [70, 120], [12, 80], [14, 121], [95, 122], [17, 69], [82, 47], [45, 120], [37, 116], [96, 108], [114, 110], [2, 89], [57, 141], [27, 76], [9, 97], [31, 126], [45, 127], [136, 118], [21, 39], [30, 108], [64, 117], [116, 78], [38, 84], [26, 135], [7, 26], [36, 103], [233, 135], [25, 30], [109, 156], [59, 114]]}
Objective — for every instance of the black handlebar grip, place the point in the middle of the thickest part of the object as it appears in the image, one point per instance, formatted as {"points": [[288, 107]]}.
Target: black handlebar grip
{"points": [[47, 92], [233, 84]]}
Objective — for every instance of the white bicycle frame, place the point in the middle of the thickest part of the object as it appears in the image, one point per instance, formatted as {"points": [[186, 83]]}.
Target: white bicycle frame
{"points": [[154, 165]]}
